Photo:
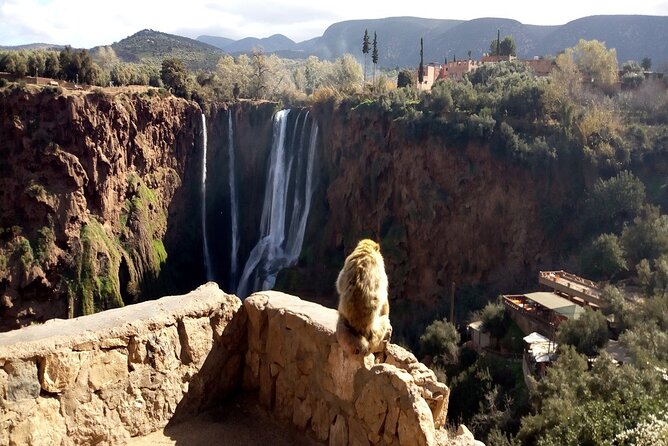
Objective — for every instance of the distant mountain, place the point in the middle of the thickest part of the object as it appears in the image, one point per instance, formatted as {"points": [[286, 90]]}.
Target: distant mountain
{"points": [[218, 42], [633, 36], [277, 42], [33, 46], [153, 46]]}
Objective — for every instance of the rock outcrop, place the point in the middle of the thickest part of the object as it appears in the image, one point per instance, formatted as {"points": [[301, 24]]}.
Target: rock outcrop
{"points": [[92, 186], [104, 378], [126, 372]]}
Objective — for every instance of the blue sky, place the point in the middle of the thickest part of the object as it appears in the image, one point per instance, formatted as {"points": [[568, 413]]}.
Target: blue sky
{"points": [[84, 23]]}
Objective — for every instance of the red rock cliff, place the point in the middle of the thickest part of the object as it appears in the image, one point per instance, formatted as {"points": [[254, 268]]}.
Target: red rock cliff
{"points": [[92, 185]]}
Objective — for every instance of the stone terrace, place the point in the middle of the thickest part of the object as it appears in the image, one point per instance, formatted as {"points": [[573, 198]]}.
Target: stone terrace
{"points": [[128, 372]]}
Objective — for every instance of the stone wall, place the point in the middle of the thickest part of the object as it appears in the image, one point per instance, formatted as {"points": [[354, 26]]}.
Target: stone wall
{"points": [[103, 378], [299, 371], [127, 372]]}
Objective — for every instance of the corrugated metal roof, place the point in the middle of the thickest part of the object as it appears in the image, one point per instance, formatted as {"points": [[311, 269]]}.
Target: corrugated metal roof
{"points": [[556, 303]]}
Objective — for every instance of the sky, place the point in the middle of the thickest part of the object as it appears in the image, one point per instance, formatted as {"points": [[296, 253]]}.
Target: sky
{"points": [[85, 23]]}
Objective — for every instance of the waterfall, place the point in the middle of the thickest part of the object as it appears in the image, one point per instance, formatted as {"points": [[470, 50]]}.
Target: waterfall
{"points": [[207, 256], [287, 196], [234, 209]]}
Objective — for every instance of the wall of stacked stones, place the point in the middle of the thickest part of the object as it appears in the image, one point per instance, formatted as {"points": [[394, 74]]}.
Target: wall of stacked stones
{"points": [[103, 378], [299, 371]]}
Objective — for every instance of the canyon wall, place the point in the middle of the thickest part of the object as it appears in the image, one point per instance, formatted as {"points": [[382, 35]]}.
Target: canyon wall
{"points": [[101, 203], [96, 189], [443, 212]]}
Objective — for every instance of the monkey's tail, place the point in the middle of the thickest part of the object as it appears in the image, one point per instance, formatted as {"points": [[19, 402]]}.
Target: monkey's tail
{"points": [[352, 342]]}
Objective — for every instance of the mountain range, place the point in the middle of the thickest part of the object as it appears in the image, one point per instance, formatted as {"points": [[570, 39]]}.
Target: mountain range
{"points": [[633, 36]]}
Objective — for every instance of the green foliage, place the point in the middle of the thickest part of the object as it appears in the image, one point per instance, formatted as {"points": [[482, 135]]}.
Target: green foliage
{"points": [[440, 340], [587, 334], [613, 202], [505, 47], [45, 244], [581, 407], [175, 77], [495, 320], [647, 237], [78, 66], [603, 258], [94, 280], [406, 78]]}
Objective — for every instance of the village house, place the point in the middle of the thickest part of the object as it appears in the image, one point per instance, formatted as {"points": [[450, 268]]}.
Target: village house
{"points": [[457, 69]]}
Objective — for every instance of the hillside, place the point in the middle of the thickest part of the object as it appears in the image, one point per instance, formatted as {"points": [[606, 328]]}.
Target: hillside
{"points": [[633, 36], [152, 47]]}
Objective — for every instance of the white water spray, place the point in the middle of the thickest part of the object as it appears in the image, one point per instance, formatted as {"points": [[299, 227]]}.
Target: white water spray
{"points": [[287, 185], [207, 256], [234, 210]]}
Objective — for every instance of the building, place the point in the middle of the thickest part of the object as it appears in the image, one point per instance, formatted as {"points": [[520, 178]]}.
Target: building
{"points": [[539, 353], [479, 338], [541, 312], [457, 69], [577, 289], [430, 74]]}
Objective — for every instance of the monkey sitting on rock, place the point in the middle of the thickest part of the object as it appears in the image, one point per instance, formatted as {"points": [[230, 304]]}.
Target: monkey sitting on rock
{"points": [[364, 311]]}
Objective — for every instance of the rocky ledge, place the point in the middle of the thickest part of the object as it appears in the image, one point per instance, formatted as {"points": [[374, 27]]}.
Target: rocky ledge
{"points": [[104, 378]]}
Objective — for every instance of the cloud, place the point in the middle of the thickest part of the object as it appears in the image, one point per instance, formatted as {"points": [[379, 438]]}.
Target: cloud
{"points": [[85, 24]]}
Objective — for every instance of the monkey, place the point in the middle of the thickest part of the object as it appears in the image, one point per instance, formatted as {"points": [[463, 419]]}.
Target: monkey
{"points": [[364, 311]]}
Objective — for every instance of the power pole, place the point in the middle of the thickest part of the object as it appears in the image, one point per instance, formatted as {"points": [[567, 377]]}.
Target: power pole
{"points": [[452, 303], [498, 42]]}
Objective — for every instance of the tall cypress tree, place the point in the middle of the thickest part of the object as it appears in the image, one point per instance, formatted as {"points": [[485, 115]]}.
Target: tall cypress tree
{"points": [[421, 67], [374, 55], [365, 49]]}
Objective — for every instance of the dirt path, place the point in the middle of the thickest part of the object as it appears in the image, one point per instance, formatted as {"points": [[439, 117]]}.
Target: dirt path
{"points": [[239, 423]]}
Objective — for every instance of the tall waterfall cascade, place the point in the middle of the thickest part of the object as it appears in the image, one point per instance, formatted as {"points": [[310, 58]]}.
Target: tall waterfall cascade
{"points": [[287, 202], [205, 240], [234, 207]]}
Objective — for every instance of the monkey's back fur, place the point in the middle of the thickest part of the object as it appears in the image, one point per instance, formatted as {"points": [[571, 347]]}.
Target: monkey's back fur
{"points": [[364, 324]]}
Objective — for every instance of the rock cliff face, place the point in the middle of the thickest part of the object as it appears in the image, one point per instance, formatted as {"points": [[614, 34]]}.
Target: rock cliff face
{"points": [[442, 213], [100, 200], [93, 188]]}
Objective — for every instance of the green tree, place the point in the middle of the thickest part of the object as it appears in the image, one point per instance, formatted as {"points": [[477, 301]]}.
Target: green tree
{"points": [[346, 74], [614, 201], [588, 333], [506, 47], [36, 63], [603, 258], [495, 320], [646, 63], [647, 237], [597, 65], [51, 65], [374, 55], [175, 76], [365, 49], [440, 340], [406, 78], [421, 67]]}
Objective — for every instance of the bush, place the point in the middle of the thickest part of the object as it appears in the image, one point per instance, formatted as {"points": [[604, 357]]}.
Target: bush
{"points": [[587, 334], [613, 202], [603, 258], [440, 341]]}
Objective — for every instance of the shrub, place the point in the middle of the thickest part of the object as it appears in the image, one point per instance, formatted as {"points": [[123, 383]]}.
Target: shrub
{"points": [[441, 341], [603, 258], [587, 334]]}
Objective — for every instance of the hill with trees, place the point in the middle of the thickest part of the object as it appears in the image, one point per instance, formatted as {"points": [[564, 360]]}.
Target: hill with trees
{"points": [[151, 47]]}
